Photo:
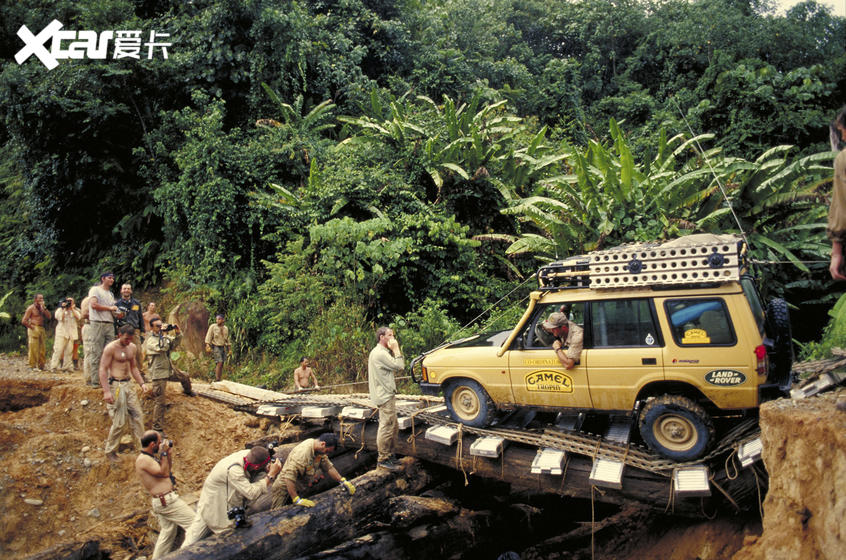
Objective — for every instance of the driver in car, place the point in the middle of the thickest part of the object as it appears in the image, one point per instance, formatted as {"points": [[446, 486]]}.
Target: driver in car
{"points": [[565, 337]]}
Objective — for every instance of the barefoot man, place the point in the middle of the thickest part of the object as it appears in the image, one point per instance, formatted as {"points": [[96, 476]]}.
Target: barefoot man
{"points": [[117, 369], [156, 477]]}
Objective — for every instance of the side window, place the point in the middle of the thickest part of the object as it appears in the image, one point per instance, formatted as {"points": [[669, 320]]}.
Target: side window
{"points": [[626, 322], [537, 337], [698, 322]]}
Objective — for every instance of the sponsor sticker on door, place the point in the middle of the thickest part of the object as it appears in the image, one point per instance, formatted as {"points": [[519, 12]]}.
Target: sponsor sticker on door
{"points": [[548, 381]]}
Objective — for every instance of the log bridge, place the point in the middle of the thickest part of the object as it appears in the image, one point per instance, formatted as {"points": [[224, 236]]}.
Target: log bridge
{"points": [[560, 458]]}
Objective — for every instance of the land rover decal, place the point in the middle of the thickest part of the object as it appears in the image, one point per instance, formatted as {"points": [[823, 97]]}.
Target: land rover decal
{"points": [[725, 377], [549, 382]]}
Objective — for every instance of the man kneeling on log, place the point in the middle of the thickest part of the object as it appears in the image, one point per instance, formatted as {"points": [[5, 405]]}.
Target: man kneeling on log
{"points": [[304, 467], [233, 484]]}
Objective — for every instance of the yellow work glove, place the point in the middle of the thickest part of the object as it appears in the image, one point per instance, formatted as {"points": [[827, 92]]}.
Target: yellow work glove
{"points": [[348, 485], [303, 502]]}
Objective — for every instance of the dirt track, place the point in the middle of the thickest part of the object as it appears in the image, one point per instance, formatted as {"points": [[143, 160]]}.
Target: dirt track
{"points": [[52, 431]]}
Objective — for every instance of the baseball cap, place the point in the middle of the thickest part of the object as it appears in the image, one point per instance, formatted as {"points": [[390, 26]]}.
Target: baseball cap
{"points": [[555, 320]]}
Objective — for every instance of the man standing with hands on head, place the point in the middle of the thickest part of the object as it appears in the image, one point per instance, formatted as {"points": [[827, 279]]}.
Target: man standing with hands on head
{"points": [[384, 361], [157, 478], [34, 318]]}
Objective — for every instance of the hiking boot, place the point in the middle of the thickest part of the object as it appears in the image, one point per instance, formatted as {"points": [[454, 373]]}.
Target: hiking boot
{"points": [[390, 465]]}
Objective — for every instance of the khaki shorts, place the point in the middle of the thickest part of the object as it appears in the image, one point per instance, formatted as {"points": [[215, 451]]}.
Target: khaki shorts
{"points": [[219, 354]]}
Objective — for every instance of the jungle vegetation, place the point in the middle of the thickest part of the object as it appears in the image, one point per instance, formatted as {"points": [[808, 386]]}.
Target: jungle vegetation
{"points": [[314, 167]]}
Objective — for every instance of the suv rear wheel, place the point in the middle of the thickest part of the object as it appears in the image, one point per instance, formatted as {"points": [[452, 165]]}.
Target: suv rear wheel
{"points": [[469, 403], [676, 427]]}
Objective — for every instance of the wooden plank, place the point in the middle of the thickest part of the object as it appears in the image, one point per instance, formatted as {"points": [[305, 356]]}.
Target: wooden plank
{"points": [[514, 467], [248, 391]]}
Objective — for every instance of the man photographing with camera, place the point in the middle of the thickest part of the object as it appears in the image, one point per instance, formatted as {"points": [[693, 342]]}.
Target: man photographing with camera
{"points": [[160, 341], [234, 482], [155, 473], [67, 316]]}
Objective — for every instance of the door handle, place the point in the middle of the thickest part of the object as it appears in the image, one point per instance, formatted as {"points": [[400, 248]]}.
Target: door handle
{"points": [[648, 361]]}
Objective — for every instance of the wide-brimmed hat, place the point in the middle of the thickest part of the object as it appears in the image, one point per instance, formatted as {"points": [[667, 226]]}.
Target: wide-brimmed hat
{"points": [[555, 321]]}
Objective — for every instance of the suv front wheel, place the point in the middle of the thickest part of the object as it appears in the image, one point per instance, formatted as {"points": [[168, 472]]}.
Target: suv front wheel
{"points": [[676, 427], [469, 403]]}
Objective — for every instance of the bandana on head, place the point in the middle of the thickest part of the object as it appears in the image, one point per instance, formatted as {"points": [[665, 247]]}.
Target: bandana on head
{"points": [[256, 466]]}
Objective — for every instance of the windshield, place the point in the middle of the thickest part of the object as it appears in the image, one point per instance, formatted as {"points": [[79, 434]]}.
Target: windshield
{"points": [[483, 339]]}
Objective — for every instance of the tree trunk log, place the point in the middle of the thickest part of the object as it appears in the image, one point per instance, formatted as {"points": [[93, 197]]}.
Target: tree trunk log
{"points": [[447, 539], [295, 531]]}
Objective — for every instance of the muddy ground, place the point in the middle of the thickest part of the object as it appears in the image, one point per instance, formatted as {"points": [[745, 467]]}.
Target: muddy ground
{"points": [[57, 487]]}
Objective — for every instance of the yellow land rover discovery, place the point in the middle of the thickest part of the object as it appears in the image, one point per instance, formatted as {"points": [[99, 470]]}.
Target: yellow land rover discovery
{"points": [[674, 335]]}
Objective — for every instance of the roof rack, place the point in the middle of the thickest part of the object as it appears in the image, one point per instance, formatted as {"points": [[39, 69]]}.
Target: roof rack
{"points": [[693, 259]]}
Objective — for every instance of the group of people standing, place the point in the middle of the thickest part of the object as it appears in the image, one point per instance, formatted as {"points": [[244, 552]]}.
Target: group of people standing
{"points": [[120, 344]]}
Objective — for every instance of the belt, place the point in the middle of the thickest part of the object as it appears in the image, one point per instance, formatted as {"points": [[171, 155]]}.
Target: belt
{"points": [[112, 380], [105, 322], [161, 497]]}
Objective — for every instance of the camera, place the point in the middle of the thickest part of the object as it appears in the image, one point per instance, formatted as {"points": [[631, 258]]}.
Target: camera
{"points": [[239, 516], [168, 328], [271, 448], [170, 442], [65, 302]]}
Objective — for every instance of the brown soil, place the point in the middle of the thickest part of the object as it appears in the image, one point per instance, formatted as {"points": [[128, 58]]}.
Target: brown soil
{"points": [[805, 455], [52, 431]]}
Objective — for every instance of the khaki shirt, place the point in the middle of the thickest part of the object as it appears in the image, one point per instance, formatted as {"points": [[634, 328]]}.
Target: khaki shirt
{"points": [[157, 350], [836, 229], [218, 336], [214, 500], [381, 367], [67, 326], [302, 463], [575, 340]]}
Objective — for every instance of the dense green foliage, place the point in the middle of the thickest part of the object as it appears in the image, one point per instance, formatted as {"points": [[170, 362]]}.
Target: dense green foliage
{"points": [[315, 167]]}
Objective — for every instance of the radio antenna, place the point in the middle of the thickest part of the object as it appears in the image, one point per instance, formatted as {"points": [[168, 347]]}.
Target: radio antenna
{"points": [[714, 173]]}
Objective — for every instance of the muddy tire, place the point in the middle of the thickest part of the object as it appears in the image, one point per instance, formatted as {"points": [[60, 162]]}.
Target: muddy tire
{"points": [[469, 403], [780, 331], [675, 427]]}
